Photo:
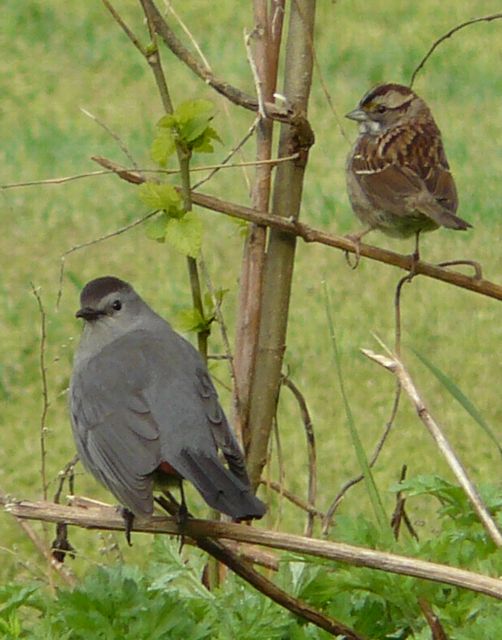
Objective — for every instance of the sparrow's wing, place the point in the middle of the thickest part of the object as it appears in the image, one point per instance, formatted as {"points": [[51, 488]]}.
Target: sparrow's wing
{"points": [[406, 172]]}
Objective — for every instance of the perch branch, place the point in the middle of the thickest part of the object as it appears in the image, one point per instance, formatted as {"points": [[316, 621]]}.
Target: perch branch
{"points": [[107, 518], [310, 234], [394, 365]]}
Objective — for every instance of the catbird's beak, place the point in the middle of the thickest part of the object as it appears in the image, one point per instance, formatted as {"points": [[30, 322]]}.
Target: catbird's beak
{"points": [[88, 313], [357, 114]]}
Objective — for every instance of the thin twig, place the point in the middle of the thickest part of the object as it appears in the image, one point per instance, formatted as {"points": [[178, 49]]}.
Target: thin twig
{"points": [[353, 481], [83, 245], [45, 391], [114, 135], [118, 19], [311, 451], [187, 31], [107, 518], [495, 16], [134, 176], [258, 82], [393, 364], [292, 497], [233, 94], [230, 154]]}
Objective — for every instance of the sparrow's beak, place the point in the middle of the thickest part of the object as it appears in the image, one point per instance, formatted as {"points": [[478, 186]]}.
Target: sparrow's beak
{"points": [[88, 313], [357, 114]]}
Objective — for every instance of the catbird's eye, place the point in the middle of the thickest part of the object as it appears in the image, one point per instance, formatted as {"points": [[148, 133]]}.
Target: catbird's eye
{"points": [[117, 305]]}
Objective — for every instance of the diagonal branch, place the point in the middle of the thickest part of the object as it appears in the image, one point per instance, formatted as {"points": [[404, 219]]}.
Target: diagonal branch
{"points": [[233, 94], [310, 234], [108, 518], [393, 364]]}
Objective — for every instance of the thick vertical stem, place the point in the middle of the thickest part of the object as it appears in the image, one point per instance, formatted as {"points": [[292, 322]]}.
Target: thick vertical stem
{"points": [[279, 263], [267, 37]]}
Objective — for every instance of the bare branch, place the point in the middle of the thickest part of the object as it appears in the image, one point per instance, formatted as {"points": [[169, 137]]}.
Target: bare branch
{"points": [[311, 450], [353, 481], [393, 364], [114, 135], [107, 518], [310, 234], [118, 19], [45, 391], [83, 245], [233, 94], [293, 498], [495, 16]]}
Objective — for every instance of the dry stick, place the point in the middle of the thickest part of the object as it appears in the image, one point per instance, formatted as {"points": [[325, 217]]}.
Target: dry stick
{"points": [[293, 498], [495, 16], [353, 481], [40, 546], [279, 264], [108, 518], [83, 245], [311, 451], [394, 365], [232, 93], [310, 234], [264, 65], [45, 391], [231, 153], [438, 633], [135, 175], [114, 135], [221, 552]]}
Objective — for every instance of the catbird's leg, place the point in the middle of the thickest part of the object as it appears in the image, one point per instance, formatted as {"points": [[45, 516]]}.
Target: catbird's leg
{"points": [[182, 515], [128, 517]]}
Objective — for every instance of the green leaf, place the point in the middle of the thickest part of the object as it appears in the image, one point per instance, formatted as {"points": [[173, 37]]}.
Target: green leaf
{"points": [[161, 196], [190, 320], [163, 145], [203, 144], [193, 117], [460, 397], [185, 234], [156, 229]]}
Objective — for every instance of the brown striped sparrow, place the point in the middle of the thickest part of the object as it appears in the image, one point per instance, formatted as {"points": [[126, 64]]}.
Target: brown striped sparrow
{"points": [[398, 177]]}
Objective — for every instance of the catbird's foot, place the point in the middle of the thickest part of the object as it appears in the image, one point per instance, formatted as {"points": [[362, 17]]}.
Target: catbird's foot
{"points": [[128, 517], [61, 546]]}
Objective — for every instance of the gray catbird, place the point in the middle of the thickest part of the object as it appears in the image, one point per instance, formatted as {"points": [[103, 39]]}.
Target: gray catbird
{"points": [[144, 409]]}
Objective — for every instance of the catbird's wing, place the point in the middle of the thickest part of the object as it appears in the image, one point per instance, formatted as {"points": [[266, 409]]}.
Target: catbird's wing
{"points": [[147, 398], [116, 437]]}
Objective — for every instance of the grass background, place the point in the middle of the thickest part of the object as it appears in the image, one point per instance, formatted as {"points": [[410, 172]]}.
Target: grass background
{"points": [[57, 59]]}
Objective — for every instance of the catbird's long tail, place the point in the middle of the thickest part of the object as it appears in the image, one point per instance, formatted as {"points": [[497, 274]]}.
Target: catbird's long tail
{"points": [[219, 487]]}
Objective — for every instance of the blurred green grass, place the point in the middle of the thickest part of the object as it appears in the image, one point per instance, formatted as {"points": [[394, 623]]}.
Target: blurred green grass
{"points": [[57, 60]]}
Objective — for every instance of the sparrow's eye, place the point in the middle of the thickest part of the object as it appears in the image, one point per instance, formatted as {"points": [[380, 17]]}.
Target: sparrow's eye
{"points": [[117, 305], [381, 108]]}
